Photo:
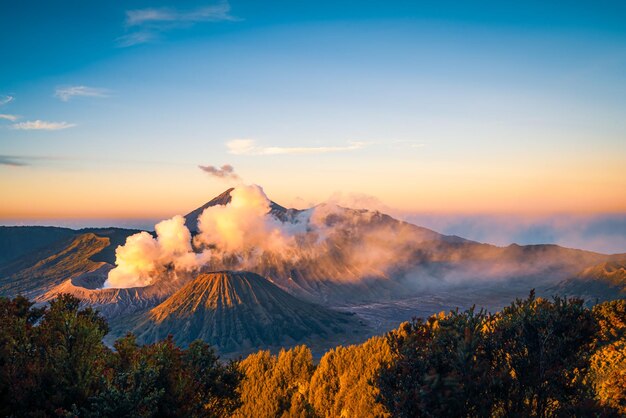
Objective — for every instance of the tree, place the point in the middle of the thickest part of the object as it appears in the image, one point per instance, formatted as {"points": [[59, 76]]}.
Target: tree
{"points": [[528, 360], [342, 383], [163, 380], [541, 349], [275, 386], [53, 363], [607, 373], [213, 386], [130, 386], [19, 372], [439, 367], [71, 354]]}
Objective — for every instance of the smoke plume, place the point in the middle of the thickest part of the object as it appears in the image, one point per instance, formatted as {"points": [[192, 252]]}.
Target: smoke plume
{"points": [[241, 230], [243, 225], [226, 171], [143, 257], [306, 249]]}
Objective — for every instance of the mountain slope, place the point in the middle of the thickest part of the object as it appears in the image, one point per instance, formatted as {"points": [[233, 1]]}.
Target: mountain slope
{"points": [[349, 255], [601, 282], [16, 241], [238, 311], [53, 260], [34, 273], [342, 256], [111, 302]]}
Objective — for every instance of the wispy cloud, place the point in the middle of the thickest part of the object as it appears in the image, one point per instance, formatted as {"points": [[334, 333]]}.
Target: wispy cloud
{"points": [[148, 23], [40, 125], [66, 93], [226, 171], [5, 99], [47, 160], [408, 144], [212, 13], [136, 38], [11, 161], [249, 147], [5, 116]]}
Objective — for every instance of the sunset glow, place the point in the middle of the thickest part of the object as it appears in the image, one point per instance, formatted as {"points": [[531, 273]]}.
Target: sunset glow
{"points": [[426, 111]]}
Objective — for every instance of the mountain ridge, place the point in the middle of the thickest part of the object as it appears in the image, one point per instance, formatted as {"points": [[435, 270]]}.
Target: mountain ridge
{"points": [[365, 257], [237, 310]]}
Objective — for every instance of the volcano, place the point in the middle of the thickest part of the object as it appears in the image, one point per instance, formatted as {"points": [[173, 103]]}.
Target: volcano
{"points": [[337, 258], [239, 311], [347, 255], [279, 212]]}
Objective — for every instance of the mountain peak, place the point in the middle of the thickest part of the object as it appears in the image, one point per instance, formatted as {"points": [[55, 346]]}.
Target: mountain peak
{"points": [[191, 219], [212, 290], [240, 309]]}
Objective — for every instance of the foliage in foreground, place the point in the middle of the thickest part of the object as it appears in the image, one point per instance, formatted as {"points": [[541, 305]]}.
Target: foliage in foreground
{"points": [[53, 363], [528, 360], [535, 358]]}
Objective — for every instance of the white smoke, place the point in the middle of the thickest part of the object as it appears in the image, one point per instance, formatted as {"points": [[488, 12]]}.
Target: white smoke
{"points": [[144, 257], [242, 225], [325, 243], [241, 230]]}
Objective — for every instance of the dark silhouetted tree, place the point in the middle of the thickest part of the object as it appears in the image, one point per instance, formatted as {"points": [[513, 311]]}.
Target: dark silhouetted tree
{"points": [[440, 367], [163, 380], [528, 360]]}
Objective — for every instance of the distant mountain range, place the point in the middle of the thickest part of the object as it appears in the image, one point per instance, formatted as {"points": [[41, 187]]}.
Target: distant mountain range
{"points": [[597, 283], [365, 257], [56, 255]]}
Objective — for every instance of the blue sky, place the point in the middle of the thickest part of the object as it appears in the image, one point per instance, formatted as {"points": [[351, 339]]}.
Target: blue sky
{"points": [[108, 108]]}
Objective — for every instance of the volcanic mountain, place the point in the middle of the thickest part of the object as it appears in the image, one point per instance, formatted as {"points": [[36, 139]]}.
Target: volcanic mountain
{"points": [[276, 210], [36, 259], [343, 256], [114, 302], [77, 262], [356, 255], [239, 311]]}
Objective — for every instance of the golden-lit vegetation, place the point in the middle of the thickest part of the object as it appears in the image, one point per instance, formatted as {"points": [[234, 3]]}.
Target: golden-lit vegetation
{"points": [[535, 358], [608, 364], [276, 386], [342, 383]]}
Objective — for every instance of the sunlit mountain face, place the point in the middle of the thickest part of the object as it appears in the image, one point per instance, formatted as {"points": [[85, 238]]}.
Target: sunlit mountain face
{"points": [[356, 260]]}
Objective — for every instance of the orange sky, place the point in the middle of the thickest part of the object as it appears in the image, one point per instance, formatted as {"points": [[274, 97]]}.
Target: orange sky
{"points": [[143, 191], [460, 114]]}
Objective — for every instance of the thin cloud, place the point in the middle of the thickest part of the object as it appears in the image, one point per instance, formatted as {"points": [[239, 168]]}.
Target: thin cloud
{"points": [[226, 171], [136, 38], [66, 93], [149, 22], [214, 13], [40, 125], [11, 161], [138, 17], [32, 160], [6, 99], [29, 160], [249, 147], [408, 144], [5, 116]]}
